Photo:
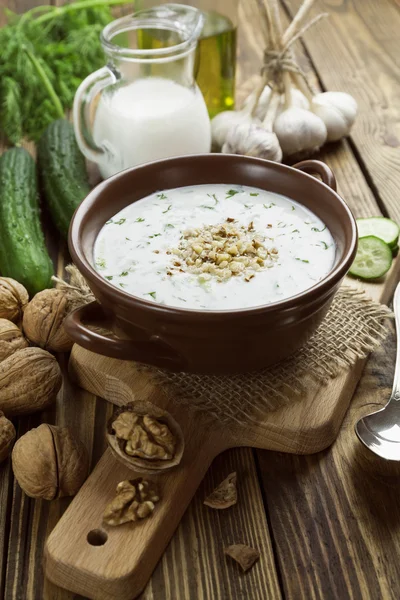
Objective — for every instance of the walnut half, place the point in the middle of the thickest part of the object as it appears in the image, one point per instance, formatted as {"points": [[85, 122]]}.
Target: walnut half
{"points": [[145, 437], [134, 501]]}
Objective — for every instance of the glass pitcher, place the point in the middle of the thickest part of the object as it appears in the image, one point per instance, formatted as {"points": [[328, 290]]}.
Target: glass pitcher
{"points": [[145, 104]]}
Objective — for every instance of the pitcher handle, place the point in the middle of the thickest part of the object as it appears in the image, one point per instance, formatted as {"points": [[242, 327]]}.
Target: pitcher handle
{"points": [[86, 92], [318, 167]]}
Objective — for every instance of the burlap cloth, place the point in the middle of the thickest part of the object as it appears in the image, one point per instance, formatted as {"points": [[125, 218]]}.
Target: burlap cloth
{"points": [[354, 326]]}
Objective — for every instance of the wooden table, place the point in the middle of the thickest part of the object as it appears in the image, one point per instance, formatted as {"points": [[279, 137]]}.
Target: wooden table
{"points": [[327, 525]]}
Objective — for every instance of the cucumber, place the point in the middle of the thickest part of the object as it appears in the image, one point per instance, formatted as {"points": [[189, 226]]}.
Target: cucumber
{"points": [[385, 229], [373, 259], [62, 171], [23, 253]]}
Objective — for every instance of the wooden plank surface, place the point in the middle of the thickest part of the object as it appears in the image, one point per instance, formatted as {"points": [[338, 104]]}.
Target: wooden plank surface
{"points": [[332, 535]]}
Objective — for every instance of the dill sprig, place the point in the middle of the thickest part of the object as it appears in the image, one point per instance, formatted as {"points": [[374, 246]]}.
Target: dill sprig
{"points": [[45, 55]]}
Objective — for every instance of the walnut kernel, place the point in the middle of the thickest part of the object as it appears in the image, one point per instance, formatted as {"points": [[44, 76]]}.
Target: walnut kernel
{"points": [[134, 500], [11, 339], [7, 436], [49, 462], [43, 321]]}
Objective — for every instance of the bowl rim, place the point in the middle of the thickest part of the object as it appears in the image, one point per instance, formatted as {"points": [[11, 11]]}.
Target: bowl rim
{"points": [[121, 297]]}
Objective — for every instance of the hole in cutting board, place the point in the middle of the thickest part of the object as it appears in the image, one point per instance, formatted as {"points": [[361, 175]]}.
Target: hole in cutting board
{"points": [[97, 537]]}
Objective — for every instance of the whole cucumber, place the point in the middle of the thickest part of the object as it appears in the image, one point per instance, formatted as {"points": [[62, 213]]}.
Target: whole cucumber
{"points": [[23, 253], [62, 171]]}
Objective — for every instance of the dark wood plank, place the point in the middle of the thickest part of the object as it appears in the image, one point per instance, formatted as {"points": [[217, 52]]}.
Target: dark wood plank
{"points": [[336, 515], [356, 50]]}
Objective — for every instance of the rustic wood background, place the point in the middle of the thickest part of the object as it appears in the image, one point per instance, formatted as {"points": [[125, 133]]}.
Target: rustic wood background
{"points": [[327, 525]]}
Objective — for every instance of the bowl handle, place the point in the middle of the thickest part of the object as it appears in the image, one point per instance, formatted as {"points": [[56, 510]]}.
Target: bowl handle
{"points": [[317, 167], [155, 351]]}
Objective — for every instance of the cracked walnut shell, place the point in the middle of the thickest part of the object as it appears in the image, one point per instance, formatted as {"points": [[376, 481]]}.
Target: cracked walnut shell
{"points": [[145, 437], [29, 381], [7, 436], [13, 299], [135, 500], [11, 339], [49, 462], [224, 495], [246, 556], [43, 321]]}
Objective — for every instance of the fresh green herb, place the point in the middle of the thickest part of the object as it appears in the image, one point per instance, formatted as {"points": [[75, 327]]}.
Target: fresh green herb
{"points": [[269, 205], [122, 285], [154, 235], [162, 196], [109, 277], [254, 194], [318, 230], [303, 260], [183, 299], [248, 205], [139, 220], [205, 206], [169, 225], [281, 224], [124, 273], [109, 222], [295, 231], [293, 207], [169, 208], [120, 222], [100, 262], [325, 245], [214, 198], [152, 294], [128, 239], [231, 193], [39, 72]]}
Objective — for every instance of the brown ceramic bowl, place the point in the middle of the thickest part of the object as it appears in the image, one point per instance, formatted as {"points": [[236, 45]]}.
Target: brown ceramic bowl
{"points": [[225, 341]]}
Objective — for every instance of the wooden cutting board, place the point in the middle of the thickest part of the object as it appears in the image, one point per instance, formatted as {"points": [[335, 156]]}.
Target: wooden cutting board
{"points": [[106, 563]]}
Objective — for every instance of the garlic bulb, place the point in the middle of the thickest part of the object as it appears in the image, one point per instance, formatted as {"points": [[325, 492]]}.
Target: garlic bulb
{"points": [[297, 99], [252, 140], [224, 121], [338, 111], [299, 130]]}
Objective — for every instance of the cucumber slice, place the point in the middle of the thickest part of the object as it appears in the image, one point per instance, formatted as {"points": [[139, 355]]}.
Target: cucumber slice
{"points": [[373, 258], [385, 229]]}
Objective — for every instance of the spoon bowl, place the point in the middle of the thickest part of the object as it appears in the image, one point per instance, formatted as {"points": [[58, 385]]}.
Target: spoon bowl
{"points": [[380, 430]]}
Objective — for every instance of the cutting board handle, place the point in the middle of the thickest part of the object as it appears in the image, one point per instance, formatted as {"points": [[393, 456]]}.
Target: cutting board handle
{"points": [[115, 563]]}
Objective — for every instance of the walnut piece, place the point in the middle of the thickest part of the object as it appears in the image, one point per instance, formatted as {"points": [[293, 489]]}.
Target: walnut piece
{"points": [[242, 554], [29, 381], [7, 436], [49, 462], [145, 437], [13, 299], [135, 500], [43, 321], [11, 339], [224, 495]]}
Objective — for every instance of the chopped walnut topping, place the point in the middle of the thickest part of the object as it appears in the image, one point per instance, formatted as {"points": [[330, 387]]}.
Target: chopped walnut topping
{"points": [[134, 500], [223, 250]]}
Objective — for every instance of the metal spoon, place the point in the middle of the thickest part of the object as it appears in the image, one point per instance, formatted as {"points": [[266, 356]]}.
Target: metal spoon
{"points": [[380, 431]]}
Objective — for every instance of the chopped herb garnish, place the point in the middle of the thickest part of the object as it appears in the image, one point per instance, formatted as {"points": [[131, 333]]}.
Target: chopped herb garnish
{"points": [[169, 225], [155, 235], [109, 277], [248, 206], [169, 208], [269, 205], [293, 207], [100, 262], [162, 196], [183, 299], [303, 260], [120, 222], [109, 222], [319, 230], [139, 220], [231, 193], [325, 245], [214, 198], [152, 294], [124, 273], [295, 231], [205, 206], [281, 224], [122, 285], [129, 240], [254, 194]]}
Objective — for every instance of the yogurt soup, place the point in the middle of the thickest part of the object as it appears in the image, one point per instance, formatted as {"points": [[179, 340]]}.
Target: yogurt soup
{"points": [[214, 247]]}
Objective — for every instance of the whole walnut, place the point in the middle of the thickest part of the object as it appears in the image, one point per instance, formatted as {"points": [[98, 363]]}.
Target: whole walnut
{"points": [[7, 436], [29, 381], [11, 338], [13, 299], [49, 462], [43, 321]]}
